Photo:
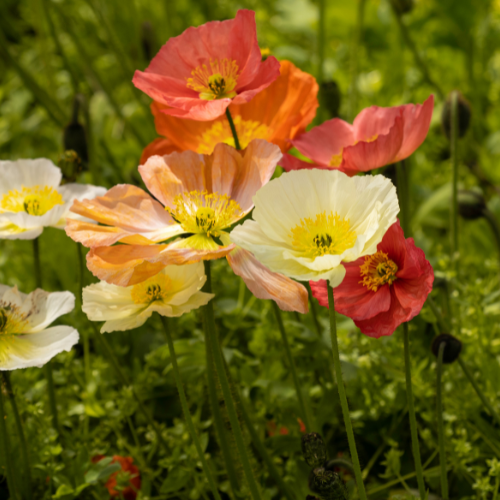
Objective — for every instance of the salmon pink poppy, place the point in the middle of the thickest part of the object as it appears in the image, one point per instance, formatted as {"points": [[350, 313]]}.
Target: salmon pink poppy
{"points": [[278, 114], [383, 290], [200, 72], [199, 198], [378, 137]]}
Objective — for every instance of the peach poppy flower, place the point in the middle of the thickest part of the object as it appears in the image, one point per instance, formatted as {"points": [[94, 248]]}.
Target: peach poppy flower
{"points": [[200, 72], [277, 114], [377, 137], [199, 197]]}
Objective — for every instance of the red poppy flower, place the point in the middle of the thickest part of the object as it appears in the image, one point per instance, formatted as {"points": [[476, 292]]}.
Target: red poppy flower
{"points": [[383, 290], [127, 465], [200, 72], [378, 137]]}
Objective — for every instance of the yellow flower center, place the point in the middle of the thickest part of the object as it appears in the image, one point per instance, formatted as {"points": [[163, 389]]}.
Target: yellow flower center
{"points": [[11, 320], [201, 213], [328, 234], [34, 201], [215, 82], [220, 131], [377, 270], [152, 290]]}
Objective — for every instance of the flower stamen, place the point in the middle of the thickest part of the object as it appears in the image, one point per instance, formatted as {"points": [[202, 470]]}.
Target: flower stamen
{"points": [[215, 82], [155, 289], [378, 270], [34, 201]]}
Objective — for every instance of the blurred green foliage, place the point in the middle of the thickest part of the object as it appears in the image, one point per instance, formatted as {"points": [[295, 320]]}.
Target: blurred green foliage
{"points": [[51, 51]]}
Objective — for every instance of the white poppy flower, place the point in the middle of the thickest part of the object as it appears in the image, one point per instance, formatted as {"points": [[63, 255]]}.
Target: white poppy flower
{"points": [[172, 292], [307, 222], [25, 340], [31, 198]]}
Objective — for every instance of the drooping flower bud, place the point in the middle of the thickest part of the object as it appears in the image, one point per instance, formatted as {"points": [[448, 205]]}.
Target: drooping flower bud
{"points": [[70, 165], [403, 6], [147, 40], [330, 97], [471, 205], [327, 484], [74, 137], [464, 115], [313, 449], [452, 348]]}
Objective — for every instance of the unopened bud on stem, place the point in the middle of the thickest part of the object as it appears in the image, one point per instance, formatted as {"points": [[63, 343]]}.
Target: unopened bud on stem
{"points": [[313, 449], [471, 205], [452, 348]]}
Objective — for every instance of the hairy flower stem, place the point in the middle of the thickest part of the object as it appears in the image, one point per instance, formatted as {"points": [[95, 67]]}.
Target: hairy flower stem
{"points": [[439, 397], [213, 343], [411, 412], [48, 366], [125, 381], [233, 129], [20, 432], [454, 182], [342, 395], [187, 414], [306, 416], [403, 185], [5, 450]]}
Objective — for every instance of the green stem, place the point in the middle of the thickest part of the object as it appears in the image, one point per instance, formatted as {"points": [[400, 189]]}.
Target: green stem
{"points": [[314, 312], [403, 185], [36, 262], [495, 490], [439, 397], [342, 395], [233, 129], [495, 228], [20, 432], [321, 41], [124, 379], [4, 442], [454, 183], [303, 408], [478, 390], [226, 390], [220, 428], [358, 34], [440, 320], [185, 409], [411, 411], [257, 442]]}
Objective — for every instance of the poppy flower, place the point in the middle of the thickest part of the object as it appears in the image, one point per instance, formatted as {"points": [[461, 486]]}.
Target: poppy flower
{"points": [[278, 114], [383, 290], [307, 223], [377, 137], [31, 198], [125, 483], [199, 198], [26, 339], [172, 292], [200, 72]]}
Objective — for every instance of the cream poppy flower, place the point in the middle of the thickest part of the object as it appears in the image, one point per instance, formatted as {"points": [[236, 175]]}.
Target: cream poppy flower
{"points": [[175, 290], [307, 222], [25, 340], [31, 198]]}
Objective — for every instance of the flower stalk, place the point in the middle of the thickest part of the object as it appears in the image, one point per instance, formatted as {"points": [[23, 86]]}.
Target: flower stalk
{"points": [[343, 398], [454, 182], [5, 448], [213, 343], [233, 129], [439, 397], [185, 409], [403, 186], [291, 363], [411, 412]]}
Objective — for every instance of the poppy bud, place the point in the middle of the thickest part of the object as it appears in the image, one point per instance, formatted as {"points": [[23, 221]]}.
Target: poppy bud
{"points": [[464, 114], [403, 6], [452, 347], [330, 97], [147, 40], [327, 484], [312, 497], [313, 449], [70, 165], [471, 205], [74, 134]]}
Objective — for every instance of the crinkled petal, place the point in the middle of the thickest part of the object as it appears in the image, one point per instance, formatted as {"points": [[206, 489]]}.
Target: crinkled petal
{"points": [[43, 308], [28, 173]]}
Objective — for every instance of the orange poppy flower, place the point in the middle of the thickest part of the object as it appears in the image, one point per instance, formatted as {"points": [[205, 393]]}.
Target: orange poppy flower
{"points": [[199, 197], [278, 114]]}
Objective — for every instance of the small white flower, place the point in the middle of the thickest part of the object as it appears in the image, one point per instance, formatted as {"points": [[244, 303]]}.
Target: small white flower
{"points": [[172, 292], [307, 222], [31, 198], [25, 340]]}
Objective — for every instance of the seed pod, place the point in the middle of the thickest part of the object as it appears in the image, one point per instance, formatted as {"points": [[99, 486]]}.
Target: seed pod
{"points": [[74, 134], [464, 115], [452, 348], [330, 97], [313, 449], [70, 165], [471, 205], [327, 484]]}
